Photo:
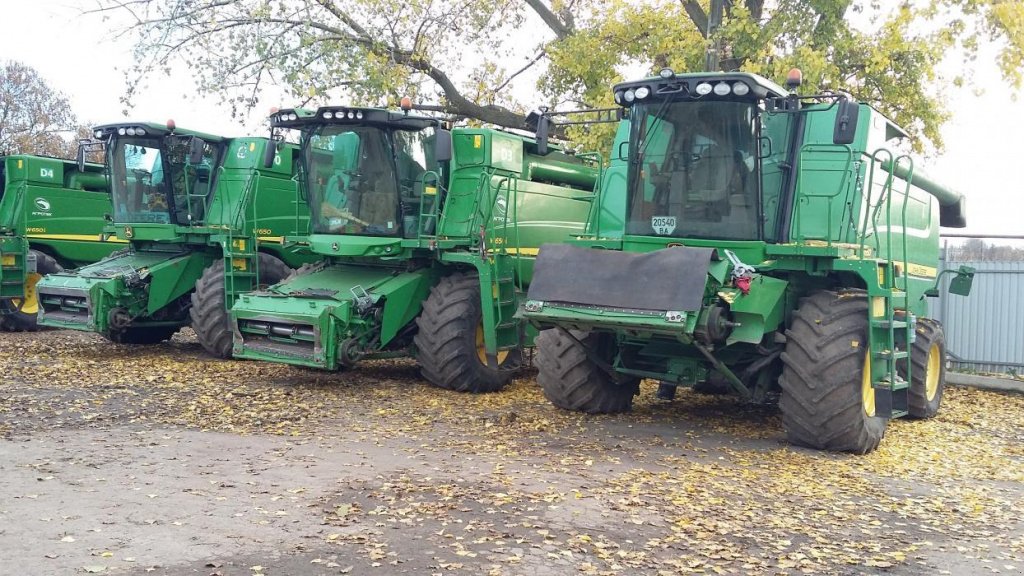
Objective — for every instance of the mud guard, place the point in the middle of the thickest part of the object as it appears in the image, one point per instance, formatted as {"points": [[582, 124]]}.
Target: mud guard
{"points": [[668, 279]]}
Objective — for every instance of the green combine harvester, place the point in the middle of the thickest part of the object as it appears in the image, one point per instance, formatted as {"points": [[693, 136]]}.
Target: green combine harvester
{"points": [[51, 218], [204, 220], [749, 237], [427, 240]]}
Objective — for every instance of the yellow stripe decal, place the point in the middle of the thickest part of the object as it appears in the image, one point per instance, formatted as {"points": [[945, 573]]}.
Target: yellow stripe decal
{"points": [[271, 238], [77, 237], [524, 251], [922, 270]]}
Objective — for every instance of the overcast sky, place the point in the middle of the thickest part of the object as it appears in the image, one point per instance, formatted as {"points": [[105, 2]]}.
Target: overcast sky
{"points": [[76, 55]]}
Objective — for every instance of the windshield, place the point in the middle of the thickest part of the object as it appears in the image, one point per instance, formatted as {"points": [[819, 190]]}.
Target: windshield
{"points": [[139, 187], [694, 170], [366, 179], [153, 181]]}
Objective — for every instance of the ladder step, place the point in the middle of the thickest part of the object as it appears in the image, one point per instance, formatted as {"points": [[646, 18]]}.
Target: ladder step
{"points": [[885, 385], [897, 355], [889, 323]]}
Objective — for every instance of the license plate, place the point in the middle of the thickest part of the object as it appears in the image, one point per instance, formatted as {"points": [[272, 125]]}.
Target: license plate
{"points": [[663, 225]]}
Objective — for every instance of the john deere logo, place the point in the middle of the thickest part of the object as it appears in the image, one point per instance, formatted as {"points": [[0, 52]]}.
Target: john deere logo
{"points": [[43, 204], [128, 232]]}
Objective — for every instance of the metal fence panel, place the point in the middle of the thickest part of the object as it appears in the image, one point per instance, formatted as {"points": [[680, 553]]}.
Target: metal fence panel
{"points": [[984, 331]]}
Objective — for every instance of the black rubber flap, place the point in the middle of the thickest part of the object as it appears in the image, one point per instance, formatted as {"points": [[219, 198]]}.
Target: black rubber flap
{"points": [[667, 279]]}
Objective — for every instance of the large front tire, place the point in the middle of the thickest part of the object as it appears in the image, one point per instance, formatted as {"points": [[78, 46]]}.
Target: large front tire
{"points": [[827, 399], [22, 312], [449, 339], [209, 313], [572, 381], [928, 376]]}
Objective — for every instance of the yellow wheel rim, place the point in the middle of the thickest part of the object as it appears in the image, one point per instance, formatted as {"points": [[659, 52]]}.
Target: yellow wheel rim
{"points": [[931, 378], [867, 393], [481, 350], [30, 303]]}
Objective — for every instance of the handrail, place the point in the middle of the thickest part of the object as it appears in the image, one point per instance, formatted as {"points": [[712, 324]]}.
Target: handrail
{"points": [[869, 214]]}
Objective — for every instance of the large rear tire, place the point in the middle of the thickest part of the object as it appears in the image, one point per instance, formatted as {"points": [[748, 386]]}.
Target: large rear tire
{"points": [[827, 400], [449, 340], [209, 313], [22, 312], [928, 376], [572, 381]]}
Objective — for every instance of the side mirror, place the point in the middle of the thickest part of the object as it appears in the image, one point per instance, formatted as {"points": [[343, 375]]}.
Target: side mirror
{"points": [[269, 152], [541, 127], [443, 146], [80, 155], [962, 282], [196, 147], [960, 285], [847, 112]]}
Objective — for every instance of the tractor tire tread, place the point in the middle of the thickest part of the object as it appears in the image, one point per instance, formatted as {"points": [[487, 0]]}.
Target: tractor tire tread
{"points": [[210, 317], [446, 338], [18, 321], [821, 378], [571, 381]]}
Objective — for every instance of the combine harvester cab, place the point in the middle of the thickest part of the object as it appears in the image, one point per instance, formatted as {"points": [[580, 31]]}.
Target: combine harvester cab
{"points": [[51, 218], [204, 220], [755, 240], [427, 239]]}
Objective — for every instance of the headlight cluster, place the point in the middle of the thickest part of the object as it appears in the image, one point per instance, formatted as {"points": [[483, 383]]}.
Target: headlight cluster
{"points": [[133, 131], [342, 114], [722, 89], [288, 116], [632, 94]]}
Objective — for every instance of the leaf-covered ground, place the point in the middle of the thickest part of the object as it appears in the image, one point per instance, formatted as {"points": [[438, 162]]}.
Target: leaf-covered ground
{"points": [[124, 460]]}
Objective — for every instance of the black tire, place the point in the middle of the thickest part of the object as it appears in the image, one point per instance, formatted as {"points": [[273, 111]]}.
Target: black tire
{"points": [[823, 403], [19, 319], [446, 339], [144, 334], [572, 381], [210, 318], [928, 358]]}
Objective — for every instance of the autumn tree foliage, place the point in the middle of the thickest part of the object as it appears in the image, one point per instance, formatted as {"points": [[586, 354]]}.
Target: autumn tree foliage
{"points": [[34, 118], [493, 60]]}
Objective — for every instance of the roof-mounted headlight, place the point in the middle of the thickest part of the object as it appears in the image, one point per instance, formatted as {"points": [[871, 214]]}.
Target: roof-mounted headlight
{"points": [[98, 134], [121, 132], [328, 115], [642, 92], [703, 89], [351, 115], [618, 96], [722, 89], [666, 73], [740, 89], [359, 114], [140, 131], [630, 95]]}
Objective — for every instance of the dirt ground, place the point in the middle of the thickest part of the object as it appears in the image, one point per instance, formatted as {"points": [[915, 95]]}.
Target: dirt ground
{"points": [[158, 460]]}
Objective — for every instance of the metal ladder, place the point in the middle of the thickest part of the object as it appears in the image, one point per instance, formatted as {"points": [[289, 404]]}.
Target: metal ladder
{"points": [[505, 261], [241, 257], [891, 324]]}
